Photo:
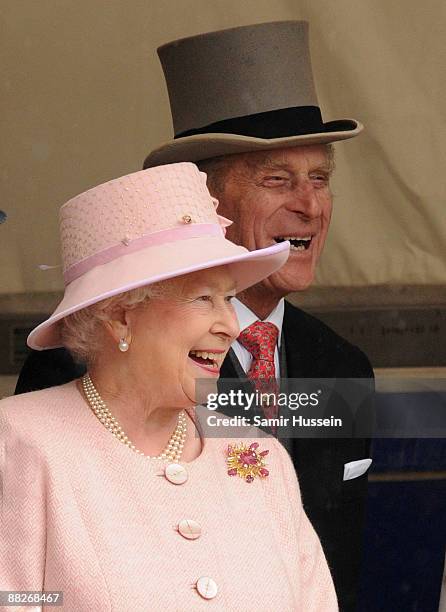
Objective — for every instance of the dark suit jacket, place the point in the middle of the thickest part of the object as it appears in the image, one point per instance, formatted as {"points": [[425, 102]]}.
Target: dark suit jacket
{"points": [[336, 508]]}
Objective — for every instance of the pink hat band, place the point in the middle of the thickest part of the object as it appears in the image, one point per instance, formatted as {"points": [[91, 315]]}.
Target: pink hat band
{"points": [[144, 228], [131, 246]]}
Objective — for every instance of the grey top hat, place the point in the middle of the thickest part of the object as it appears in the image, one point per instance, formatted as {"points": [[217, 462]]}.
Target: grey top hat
{"points": [[243, 89]]}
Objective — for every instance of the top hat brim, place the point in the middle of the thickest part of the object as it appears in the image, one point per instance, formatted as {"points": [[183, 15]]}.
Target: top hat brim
{"points": [[199, 147]]}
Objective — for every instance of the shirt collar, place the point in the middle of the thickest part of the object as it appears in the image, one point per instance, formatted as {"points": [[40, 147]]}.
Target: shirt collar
{"points": [[246, 317]]}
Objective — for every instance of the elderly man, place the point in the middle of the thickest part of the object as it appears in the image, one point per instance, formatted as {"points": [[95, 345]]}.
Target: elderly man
{"points": [[245, 109]]}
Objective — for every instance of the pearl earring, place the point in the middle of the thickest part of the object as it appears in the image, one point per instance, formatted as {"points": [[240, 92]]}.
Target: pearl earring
{"points": [[123, 345]]}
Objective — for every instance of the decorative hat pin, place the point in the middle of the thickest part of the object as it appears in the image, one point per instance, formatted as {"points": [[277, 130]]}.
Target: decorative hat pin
{"points": [[246, 462]]}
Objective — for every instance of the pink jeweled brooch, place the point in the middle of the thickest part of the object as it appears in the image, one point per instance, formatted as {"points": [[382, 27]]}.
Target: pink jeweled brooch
{"points": [[246, 462]]}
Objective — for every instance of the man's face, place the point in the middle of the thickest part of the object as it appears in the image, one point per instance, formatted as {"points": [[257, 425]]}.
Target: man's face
{"points": [[277, 195]]}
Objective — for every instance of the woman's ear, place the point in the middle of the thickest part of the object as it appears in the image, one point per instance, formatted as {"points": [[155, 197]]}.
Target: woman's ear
{"points": [[118, 326]]}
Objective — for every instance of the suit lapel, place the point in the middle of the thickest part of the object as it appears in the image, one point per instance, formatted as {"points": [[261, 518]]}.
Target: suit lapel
{"points": [[282, 357], [232, 369], [295, 338], [303, 351]]}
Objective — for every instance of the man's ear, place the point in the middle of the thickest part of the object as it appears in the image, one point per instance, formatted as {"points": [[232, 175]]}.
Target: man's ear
{"points": [[118, 325]]}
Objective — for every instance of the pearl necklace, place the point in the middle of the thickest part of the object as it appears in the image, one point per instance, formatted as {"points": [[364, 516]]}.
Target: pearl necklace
{"points": [[172, 451]]}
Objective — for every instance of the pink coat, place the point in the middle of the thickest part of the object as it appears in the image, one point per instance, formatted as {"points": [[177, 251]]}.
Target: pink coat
{"points": [[84, 514]]}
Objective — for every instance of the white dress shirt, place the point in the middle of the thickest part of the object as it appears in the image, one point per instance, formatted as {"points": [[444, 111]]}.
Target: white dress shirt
{"points": [[245, 318]]}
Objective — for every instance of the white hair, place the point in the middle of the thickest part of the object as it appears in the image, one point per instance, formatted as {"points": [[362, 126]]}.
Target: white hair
{"points": [[82, 331]]}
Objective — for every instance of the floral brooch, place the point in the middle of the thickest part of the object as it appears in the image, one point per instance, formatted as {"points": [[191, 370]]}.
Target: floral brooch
{"points": [[246, 462]]}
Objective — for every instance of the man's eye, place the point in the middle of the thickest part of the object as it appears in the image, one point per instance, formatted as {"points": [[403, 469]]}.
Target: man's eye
{"points": [[229, 298], [274, 180], [320, 179], [205, 298]]}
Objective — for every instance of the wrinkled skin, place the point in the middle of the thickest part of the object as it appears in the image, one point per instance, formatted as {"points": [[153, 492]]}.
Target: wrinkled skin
{"points": [[273, 194]]}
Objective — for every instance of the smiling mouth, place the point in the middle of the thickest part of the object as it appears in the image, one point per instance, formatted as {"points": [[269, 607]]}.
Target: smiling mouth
{"points": [[206, 358], [298, 243]]}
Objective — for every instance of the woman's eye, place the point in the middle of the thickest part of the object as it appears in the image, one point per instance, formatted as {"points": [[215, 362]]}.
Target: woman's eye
{"points": [[205, 298], [229, 298]]}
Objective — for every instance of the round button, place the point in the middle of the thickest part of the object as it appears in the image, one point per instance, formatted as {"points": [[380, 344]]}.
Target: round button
{"points": [[207, 587], [189, 529], [176, 473]]}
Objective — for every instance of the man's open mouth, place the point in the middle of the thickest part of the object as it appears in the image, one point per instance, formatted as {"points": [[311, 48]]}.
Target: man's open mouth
{"points": [[298, 243], [212, 360]]}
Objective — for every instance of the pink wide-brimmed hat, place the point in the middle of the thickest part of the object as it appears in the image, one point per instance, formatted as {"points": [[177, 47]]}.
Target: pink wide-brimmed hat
{"points": [[140, 229]]}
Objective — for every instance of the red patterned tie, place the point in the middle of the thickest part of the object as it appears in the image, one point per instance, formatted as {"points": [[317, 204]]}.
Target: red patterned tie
{"points": [[260, 339]]}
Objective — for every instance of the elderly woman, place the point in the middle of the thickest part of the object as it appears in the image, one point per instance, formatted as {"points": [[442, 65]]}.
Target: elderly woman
{"points": [[109, 493]]}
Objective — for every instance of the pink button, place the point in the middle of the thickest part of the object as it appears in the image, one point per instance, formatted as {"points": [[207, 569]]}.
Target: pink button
{"points": [[189, 529], [207, 587], [176, 473]]}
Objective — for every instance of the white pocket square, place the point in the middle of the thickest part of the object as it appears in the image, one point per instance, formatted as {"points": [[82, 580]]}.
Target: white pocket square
{"points": [[353, 469]]}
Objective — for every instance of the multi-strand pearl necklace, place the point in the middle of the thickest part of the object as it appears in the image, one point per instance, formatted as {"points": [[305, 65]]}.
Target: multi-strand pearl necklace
{"points": [[172, 451]]}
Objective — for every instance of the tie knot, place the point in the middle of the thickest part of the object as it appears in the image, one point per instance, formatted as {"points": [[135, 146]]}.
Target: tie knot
{"points": [[260, 339]]}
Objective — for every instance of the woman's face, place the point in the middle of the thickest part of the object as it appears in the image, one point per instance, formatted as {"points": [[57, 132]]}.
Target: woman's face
{"points": [[184, 335]]}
